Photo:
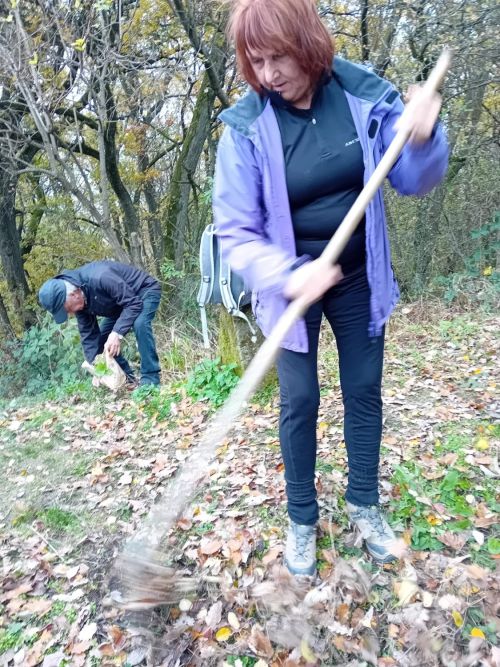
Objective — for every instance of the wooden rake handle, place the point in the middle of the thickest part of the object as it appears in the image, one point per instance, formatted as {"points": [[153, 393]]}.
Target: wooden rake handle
{"points": [[163, 515]]}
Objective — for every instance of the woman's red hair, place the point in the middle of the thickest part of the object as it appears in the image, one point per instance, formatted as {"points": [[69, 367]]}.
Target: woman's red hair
{"points": [[289, 26]]}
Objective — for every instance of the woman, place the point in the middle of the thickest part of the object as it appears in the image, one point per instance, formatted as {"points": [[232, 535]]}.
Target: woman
{"points": [[294, 155]]}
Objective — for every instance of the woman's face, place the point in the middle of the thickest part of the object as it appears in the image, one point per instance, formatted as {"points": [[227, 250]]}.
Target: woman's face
{"points": [[281, 73]]}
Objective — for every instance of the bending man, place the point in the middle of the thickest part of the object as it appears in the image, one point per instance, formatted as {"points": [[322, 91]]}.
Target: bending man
{"points": [[124, 296]]}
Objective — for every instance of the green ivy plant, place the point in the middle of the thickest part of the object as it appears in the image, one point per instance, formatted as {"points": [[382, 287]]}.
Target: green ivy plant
{"points": [[211, 380]]}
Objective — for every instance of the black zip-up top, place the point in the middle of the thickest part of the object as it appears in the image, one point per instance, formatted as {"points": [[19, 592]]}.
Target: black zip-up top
{"points": [[324, 170]]}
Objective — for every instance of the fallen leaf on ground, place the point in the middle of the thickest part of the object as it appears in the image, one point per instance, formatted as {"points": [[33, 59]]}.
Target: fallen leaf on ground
{"points": [[87, 632]]}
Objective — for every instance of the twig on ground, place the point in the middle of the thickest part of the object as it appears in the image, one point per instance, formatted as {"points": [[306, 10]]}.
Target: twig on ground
{"points": [[49, 544]]}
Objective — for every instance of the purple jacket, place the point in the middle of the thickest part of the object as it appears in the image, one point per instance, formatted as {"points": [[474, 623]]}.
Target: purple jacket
{"points": [[251, 208]]}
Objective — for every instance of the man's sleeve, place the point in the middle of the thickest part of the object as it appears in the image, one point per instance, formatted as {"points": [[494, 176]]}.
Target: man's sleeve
{"points": [[89, 335]]}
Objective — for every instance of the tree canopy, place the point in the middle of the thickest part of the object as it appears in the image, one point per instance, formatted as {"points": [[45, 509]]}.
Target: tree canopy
{"points": [[108, 132]]}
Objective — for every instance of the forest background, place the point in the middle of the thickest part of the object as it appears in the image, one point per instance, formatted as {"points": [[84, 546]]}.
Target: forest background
{"points": [[108, 135]]}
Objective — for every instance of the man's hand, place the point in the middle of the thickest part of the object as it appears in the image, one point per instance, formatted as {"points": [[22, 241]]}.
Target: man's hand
{"points": [[113, 344], [310, 281], [420, 114]]}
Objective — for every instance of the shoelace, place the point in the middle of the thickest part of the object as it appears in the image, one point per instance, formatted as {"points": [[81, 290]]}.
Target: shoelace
{"points": [[301, 544], [373, 516]]}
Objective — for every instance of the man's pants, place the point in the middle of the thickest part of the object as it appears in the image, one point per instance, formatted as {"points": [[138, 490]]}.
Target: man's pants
{"points": [[347, 308], [150, 364]]}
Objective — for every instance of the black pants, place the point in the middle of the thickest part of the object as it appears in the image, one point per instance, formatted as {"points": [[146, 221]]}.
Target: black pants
{"points": [[346, 307]]}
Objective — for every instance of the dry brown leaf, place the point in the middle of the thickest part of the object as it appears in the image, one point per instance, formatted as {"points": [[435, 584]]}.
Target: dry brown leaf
{"points": [[117, 636], [398, 548], [328, 555], [210, 547], [87, 632], [343, 613], [16, 592], [486, 521], [107, 650], [235, 544], [185, 524], [259, 643], [161, 462], [290, 663], [33, 656], [214, 615], [39, 607], [405, 590], [393, 631], [233, 621], [455, 541], [477, 572], [80, 647], [272, 555]]}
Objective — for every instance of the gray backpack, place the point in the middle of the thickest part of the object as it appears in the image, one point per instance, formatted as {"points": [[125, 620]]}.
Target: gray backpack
{"points": [[219, 284]]}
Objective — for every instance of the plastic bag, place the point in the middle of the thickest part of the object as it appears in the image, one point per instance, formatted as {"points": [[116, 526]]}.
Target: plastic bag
{"points": [[106, 372]]}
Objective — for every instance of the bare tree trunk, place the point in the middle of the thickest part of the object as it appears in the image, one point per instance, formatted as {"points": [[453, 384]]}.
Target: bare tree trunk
{"points": [[185, 167], [130, 217], [10, 247], [154, 226], [6, 328]]}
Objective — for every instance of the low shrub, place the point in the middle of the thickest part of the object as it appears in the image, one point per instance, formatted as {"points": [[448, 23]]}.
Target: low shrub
{"points": [[47, 357]]}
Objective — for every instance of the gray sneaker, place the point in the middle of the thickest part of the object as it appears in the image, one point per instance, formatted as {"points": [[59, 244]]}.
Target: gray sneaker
{"points": [[300, 551], [378, 535]]}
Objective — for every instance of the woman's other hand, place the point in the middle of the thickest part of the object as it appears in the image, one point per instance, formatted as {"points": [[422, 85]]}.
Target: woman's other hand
{"points": [[420, 114], [310, 281]]}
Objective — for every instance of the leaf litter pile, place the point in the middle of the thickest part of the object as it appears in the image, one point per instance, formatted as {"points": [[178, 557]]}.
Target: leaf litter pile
{"points": [[79, 474]]}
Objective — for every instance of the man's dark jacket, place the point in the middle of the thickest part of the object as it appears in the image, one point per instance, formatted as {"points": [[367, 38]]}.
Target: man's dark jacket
{"points": [[111, 290]]}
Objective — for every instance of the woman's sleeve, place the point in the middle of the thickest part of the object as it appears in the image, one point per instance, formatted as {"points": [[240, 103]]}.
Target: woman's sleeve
{"points": [[421, 167], [240, 219]]}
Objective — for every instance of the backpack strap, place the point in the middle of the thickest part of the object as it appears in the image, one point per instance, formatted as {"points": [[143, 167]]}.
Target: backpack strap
{"points": [[207, 270], [207, 265], [204, 327], [233, 300]]}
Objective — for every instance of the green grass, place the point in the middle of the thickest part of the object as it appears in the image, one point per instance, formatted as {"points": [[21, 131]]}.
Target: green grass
{"points": [[324, 542], [37, 420], [267, 393], [152, 402], [124, 513], [82, 389], [324, 467], [458, 492], [241, 660], [81, 467], [34, 450], [459, 329], [203, 528], [54, 518], [11, 637]]}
